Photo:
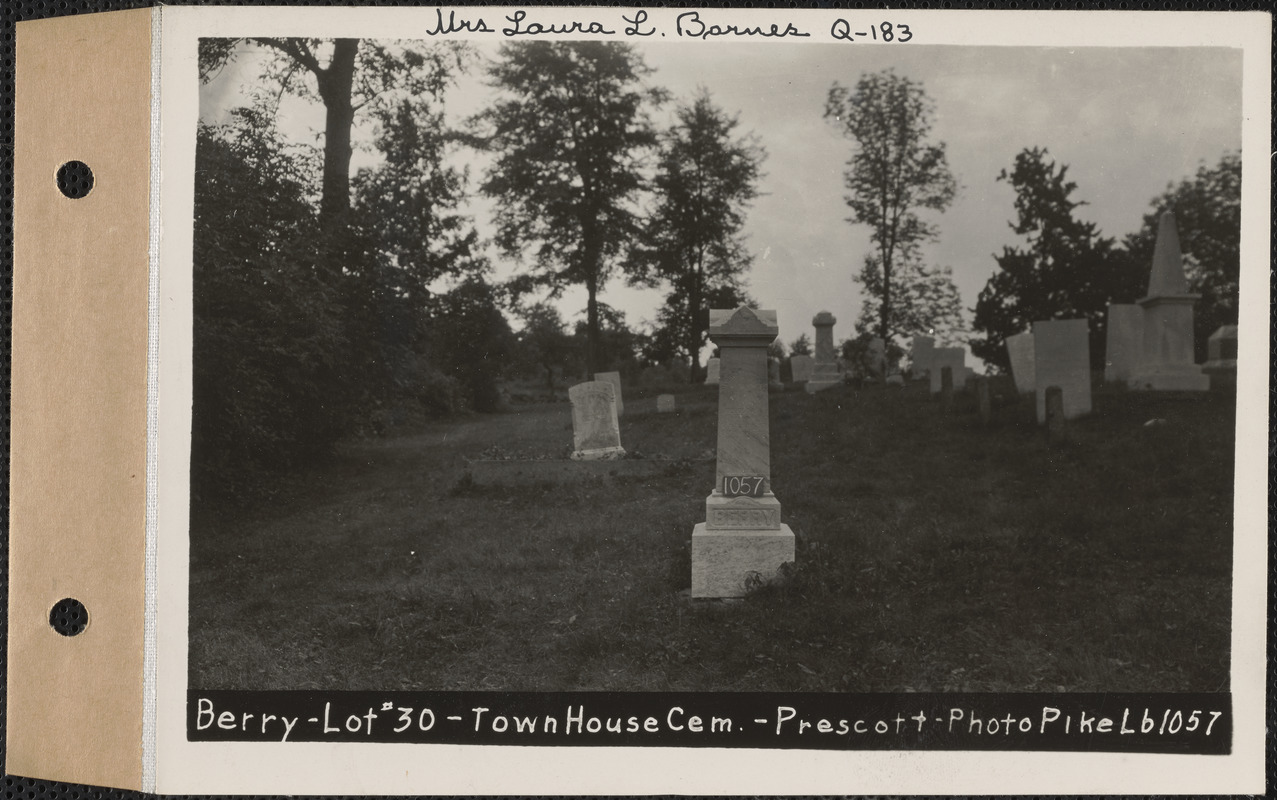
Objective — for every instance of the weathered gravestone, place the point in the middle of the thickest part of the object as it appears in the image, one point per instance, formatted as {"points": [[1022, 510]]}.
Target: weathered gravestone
{"points": [[1166, 357], [595, 431], [711, 372], [801, 366], [1123, 341], [1020, 351], [613, 378], [664, 403], [824, 374], [1221, 357], [1061, 357], [920, 356], [952, 357], [742, 542]]}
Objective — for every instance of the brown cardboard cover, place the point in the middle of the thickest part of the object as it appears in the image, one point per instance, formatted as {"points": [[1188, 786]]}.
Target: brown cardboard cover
{"points": [[78, 453]]}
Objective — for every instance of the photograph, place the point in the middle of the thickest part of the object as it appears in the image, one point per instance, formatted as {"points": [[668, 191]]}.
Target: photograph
{"points": [[560, 363]]}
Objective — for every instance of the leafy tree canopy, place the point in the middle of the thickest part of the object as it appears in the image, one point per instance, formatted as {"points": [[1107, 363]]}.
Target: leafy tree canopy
{"points": [[570, 133], [706, 178], [894, 173], [1066, 269]]}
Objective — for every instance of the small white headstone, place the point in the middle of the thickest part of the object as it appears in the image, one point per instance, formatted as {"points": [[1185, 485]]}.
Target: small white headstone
{"points": [[711, 372], [1061, 356], [1221, 352], [665, 403], [595, 431], [1020, 349]]}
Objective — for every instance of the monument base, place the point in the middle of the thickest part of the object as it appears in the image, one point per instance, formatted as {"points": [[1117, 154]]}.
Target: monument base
{"points": [[1186, 379], [598, 455], [730, 563]]}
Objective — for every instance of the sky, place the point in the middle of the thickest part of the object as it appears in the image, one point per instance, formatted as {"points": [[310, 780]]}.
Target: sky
{"points": [[1126, 121]]}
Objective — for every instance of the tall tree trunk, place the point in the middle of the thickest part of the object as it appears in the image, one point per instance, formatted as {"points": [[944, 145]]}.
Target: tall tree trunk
{"points": [[336, 84], [591, 254], [592, 356], [884, 320]]}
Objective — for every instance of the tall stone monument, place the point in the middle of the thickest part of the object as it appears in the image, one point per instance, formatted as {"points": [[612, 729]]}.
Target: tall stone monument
{"points": [[595, 431], [1123, 342], [742, 540], [1062, 358], [824, 374], [1166, 359], [1020, 351]]}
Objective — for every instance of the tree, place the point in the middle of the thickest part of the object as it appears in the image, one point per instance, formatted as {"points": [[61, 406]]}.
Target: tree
{"points": [[617, 344], [569, 135], [1208, 218], [893, 174], [706, 179], [1066, 270], [800, 346], [267, 338], [927, 299], [347, 76], [406, 235], [472, 340], [545, 339]]}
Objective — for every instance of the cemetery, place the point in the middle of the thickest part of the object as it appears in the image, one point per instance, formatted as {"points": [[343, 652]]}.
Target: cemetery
{"points": [[920, 547], [605, 415]]}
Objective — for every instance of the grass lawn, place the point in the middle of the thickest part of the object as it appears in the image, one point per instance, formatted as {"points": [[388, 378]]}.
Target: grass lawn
{"points": [[933, 554]]}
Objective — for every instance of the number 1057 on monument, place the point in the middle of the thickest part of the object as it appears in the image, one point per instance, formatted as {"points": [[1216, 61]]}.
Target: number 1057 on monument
{"points": [[743, 485]]}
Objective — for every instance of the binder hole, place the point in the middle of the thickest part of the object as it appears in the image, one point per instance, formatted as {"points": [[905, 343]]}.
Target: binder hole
{"points": [[75, 179], [69, 617]]}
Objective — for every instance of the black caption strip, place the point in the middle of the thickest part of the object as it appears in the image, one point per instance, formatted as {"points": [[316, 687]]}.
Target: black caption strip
{"points": [[1122, 723]]}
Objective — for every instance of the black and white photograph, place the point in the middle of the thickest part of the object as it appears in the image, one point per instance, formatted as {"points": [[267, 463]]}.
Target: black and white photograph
{"points": [[628, 354]]}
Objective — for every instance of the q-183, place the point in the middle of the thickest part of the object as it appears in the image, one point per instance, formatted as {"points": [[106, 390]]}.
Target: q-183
{"points": [[881, 32]]}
